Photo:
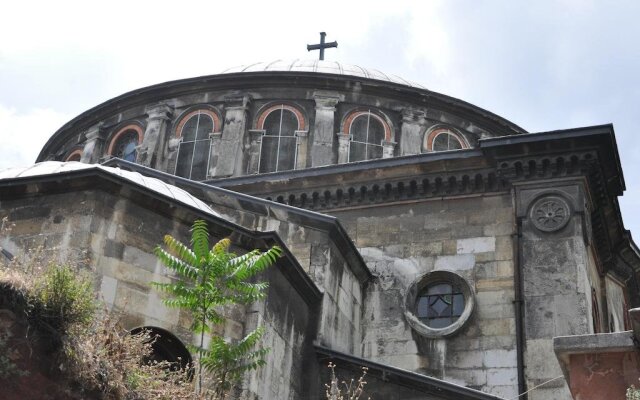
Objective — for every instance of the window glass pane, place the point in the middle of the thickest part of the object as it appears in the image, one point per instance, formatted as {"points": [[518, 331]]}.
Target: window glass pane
{"points": [[458, 304], [376, 132], [129, 152], [374, 152], [287, 153], [189, 129], [289, 123], [446, 141], [272, 123], [268, 155], [183, 167], [358, 128], [125, 146], [205, 127], [440, 288], [357, 151], [439, 305], [200, 160]]}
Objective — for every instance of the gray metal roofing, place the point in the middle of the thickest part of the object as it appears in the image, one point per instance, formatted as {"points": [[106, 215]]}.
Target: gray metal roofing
{"points": [[153, 184], [323, 67]]}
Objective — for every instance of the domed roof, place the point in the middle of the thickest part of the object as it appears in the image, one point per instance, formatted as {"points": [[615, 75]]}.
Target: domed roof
{"points": [[323, 67]]}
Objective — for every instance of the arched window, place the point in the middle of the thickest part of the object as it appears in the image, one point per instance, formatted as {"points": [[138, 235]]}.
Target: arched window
{"points": [[194, 153], [279, 147], [75, 155], [368, 132], [443, 139], [125, 142]]}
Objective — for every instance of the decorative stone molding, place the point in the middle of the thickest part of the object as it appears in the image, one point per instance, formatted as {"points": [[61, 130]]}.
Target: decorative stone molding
{"points": [[392, 190], [423, 282], [550, 213]]}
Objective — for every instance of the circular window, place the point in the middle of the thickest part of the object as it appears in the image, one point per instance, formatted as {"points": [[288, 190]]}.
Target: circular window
{"points": [[439, 303]]}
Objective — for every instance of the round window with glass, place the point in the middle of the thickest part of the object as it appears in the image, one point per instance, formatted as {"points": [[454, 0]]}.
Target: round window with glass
{"points": [[439, 303]]}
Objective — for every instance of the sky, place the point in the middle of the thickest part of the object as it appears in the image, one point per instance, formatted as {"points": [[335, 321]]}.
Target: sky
{"points": [[544, 65]]}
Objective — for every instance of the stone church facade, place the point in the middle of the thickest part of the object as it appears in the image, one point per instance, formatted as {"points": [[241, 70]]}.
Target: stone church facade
{"points": [[432, 241]]}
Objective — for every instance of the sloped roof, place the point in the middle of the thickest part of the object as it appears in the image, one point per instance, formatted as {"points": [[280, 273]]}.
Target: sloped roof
{"points": [[321, 66], [153, 184]]}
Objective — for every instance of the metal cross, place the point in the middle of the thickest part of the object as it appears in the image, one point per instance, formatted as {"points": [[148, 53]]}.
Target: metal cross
{"points": [[322, 45]]}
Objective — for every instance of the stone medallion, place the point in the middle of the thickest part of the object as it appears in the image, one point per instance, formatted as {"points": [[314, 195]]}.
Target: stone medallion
{"points": [[550, 213]]}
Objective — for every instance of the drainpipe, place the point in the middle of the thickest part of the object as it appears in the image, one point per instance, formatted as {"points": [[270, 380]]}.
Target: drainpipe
{"points": [[518, 304]]}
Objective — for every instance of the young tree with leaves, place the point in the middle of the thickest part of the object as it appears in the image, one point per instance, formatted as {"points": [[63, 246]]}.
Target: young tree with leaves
{"points": [[209, 278]]}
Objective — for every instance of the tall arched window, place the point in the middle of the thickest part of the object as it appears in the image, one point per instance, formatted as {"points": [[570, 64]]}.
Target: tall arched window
{"points": [[368, 132], [443, 139], [125, 142], [194, 130], [279, 141]]}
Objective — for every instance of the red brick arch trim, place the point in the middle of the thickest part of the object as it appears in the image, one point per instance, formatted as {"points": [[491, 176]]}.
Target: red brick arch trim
{"points": [[431, 136], [130, 127], [346, 126], [262, 116], [75, 155], [183, 120]]}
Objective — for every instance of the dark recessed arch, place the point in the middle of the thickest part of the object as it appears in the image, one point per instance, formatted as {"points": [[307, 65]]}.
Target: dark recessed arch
{"points": [[166, 347]]}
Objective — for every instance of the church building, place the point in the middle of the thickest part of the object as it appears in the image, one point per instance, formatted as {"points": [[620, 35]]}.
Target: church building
{"points": [[434, 242]]}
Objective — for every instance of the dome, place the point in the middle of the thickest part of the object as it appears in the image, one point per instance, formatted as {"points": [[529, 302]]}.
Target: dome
{"points": [[321, 67]]}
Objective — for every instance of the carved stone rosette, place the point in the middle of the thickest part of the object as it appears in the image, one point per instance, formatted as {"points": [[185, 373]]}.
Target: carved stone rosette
{"points": [[550, 213]]}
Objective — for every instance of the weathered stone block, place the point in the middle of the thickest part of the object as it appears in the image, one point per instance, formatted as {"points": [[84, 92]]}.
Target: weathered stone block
{"points": [[502, 377], [455, 263], [476, 245]]}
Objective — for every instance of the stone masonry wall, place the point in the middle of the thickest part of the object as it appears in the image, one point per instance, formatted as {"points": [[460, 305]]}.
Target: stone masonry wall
{"points": [[470, 236], [339, 323], [114, 238]]}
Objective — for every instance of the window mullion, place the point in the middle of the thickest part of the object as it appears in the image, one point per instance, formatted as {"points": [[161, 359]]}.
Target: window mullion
{"points": [[279, 136]]}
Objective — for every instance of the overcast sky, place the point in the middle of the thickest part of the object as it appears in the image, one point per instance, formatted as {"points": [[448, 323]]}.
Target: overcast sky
{"points": [[543, 65]]}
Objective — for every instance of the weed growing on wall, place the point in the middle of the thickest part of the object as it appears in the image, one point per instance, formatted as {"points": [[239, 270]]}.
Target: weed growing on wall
{"points": [[210, 277]]}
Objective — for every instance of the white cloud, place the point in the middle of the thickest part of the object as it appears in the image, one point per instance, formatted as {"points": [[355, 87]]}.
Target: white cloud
{"points": [[22, 134]]}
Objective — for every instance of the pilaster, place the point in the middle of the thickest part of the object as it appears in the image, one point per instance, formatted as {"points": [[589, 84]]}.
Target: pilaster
{"points": [[343, 147], [323, 128], [413, 122], [155, 135], [555, 267], [301, 149], [231, 144], [93, 145], [255, 143]]}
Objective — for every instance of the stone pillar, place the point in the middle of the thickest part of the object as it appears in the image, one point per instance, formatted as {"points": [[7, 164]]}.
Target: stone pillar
{"points": [[214, 154], [301, 149], [255, 142], [343, 147], [411, 139], [154, 135], [556, 269], [323, 129], [93, 145], [233, 131], [387, 149]]}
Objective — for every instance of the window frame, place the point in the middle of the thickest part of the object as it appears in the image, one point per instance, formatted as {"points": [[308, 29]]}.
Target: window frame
{"points": [[300, 128], [120, 132], [348, 124], [186, 117], [422, 283], [433, 133]]}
